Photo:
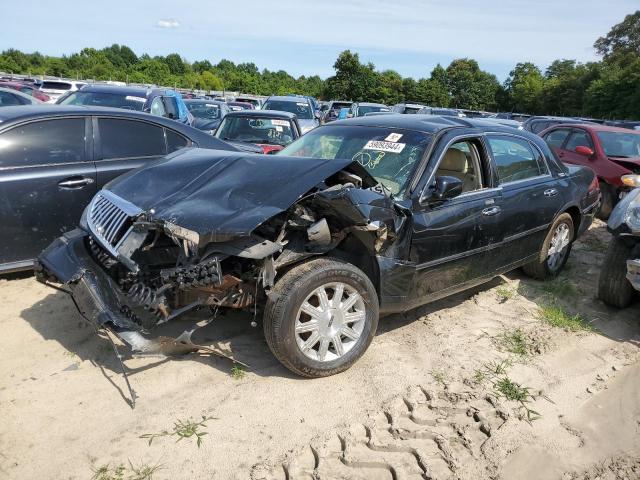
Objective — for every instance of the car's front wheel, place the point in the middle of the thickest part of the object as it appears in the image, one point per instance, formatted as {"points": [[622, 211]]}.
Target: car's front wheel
{"points": [[613, 287], [321, 317], [554, 251]]}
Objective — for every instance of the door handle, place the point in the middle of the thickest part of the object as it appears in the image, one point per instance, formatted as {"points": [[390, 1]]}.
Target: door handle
{"points": [[552, 192], [491, 211], [75, 182]]}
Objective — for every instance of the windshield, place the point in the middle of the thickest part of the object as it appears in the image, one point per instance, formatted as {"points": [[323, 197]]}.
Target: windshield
{"points": [[95, 99], [256, 130], [363, 110], [390, 155], [619, 144], [301, 109], [412, 110], [206, 111]]}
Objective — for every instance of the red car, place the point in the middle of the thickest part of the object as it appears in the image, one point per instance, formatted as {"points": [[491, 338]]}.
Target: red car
{"points": [[613, 153], [26, 88]]}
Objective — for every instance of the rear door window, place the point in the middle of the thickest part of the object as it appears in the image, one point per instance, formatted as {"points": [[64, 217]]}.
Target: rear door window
{"points": [[130, 139], [557, 137], [175, 141], [44, 142], [516, 159]]}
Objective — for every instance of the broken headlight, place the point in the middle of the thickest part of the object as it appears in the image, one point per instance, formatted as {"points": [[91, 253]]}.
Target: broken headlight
{"points": [[627, 212], [182, 233], [632, 215]]}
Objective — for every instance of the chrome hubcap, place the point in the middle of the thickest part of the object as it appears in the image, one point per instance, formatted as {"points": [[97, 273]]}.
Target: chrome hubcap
{"points": [[330, 322], [558, 248]]}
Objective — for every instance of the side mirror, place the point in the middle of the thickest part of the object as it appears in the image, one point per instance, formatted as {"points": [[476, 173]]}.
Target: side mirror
{"points": [[318, 115], [586, 151], [447, 187]]}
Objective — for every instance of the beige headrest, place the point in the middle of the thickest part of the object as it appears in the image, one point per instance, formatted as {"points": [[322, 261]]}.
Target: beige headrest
{"points": [[454, 160]]}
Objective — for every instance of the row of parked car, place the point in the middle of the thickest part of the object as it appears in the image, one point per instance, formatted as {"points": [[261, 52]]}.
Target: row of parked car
{"points": [[379, 212]]}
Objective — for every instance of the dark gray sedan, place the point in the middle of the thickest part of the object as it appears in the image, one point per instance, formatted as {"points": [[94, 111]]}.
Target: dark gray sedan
{"points": [[53, 160]]}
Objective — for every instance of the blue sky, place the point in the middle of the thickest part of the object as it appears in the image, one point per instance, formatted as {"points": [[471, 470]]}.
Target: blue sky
{"points": [[305, 37]]}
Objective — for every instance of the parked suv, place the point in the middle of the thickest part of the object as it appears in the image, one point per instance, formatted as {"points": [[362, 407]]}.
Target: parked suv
{"points": [[53, 159], [302, 107], [613, 153], [360, 109], [407, 108], [56, 88], [163, 102]]}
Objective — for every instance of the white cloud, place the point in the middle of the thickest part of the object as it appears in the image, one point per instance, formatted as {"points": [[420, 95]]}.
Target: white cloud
{"points": [[167, 23]]}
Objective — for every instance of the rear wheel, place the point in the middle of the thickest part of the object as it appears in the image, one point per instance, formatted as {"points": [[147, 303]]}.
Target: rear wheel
{"points": [[554, 251], [613, 287], [609, 200], [321, 317]]}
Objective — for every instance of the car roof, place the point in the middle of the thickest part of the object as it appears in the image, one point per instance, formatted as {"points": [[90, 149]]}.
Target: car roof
{"points": [[116, 89], [262, 113], [594, 127], [203, 100], [287, 98], [44, 110], [424, 123], [371, 104]]}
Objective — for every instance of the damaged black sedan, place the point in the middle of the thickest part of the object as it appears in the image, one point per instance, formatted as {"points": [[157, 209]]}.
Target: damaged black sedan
{"points": [[355, 219]]}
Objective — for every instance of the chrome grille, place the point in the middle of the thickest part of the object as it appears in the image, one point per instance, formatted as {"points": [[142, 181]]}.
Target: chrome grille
{"points": [[109, 218]]}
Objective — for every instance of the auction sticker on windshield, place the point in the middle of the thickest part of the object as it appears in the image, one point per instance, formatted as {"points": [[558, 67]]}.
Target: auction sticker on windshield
{"points": [[393, 137], [135, 99], [280, 123], [391, 147]]}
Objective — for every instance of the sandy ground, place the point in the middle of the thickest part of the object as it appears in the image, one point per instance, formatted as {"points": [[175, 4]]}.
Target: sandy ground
{"points": [[424, 401]]}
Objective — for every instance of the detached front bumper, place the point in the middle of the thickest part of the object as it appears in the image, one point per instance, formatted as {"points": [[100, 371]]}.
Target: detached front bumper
{"points": [[633, 273], [95, 294]]}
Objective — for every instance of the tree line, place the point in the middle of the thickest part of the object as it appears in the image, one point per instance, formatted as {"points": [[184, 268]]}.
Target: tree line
{"points": [[609, 88]]}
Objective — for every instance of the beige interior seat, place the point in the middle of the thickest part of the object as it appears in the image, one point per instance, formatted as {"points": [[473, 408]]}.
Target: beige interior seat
{"points": [[455, 164]]}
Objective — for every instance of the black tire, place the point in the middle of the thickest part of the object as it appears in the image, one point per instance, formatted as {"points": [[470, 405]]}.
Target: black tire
{"points": [[540, 268], [613, 287], [285, 300], [608, 202]]}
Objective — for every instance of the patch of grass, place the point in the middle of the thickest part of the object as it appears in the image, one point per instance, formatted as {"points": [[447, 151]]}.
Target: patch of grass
{"points": [[237, 372], [68, 353], [561, 288], [121, 472], [143, 472], [183, 429], [511, 390], [503, 387], [515, 342], [556, 316], [515, 392], [504, 293], [439, 376]]}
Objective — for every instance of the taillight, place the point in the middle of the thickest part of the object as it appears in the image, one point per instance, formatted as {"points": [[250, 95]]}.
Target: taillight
{"points": [[595, 184]]}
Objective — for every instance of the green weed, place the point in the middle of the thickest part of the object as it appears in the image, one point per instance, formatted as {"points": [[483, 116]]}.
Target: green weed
{"points": [[183, 429]]}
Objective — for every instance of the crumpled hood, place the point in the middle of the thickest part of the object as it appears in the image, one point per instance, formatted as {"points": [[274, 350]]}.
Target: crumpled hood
{"points": [[222, 195]]}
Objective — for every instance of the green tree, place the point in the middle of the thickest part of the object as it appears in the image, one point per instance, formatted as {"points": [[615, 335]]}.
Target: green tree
{"points": [[623, 39], [471, 87], [523, 89]]}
